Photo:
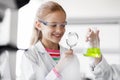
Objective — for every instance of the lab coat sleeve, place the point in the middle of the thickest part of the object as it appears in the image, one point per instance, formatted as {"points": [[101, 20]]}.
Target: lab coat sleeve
{"points": [[53, 75], [31, 71], [27, 72], [104, 71]]}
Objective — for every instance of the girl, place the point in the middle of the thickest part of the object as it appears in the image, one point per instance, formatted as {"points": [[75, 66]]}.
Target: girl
{"points": [[46, 59]]}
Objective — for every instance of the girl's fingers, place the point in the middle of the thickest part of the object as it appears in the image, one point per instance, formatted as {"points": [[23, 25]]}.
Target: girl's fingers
{"points": [[89, 35]]}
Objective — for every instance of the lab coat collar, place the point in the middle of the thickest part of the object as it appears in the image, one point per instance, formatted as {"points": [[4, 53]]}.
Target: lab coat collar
{"points": [[40, 48]]}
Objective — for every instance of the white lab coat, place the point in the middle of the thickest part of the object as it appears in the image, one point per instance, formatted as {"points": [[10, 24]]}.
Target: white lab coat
{"points": [[104, 71], [37, 65]]}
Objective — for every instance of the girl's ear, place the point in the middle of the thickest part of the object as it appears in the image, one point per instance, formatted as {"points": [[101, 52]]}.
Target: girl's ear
{"points": [[38, 25]]}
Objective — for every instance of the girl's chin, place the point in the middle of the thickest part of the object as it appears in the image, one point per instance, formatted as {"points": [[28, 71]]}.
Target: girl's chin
{"points": [[56, 41]]}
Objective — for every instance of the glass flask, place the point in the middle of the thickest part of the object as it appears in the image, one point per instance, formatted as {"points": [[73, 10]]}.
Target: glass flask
{"points": [[92, 49]]}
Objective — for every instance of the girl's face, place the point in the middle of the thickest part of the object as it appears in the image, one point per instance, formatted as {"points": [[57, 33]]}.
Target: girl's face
{"points": [[53, 27]]}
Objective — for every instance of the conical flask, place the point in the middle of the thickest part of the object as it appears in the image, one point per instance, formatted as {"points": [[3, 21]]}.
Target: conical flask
{"points": [[92, 49]]}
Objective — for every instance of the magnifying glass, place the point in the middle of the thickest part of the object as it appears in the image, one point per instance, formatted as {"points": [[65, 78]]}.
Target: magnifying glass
{"points": [[72, 39]]}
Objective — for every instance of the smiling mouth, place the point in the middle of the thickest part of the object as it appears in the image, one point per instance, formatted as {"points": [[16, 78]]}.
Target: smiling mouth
{"points": [[57, 36]]}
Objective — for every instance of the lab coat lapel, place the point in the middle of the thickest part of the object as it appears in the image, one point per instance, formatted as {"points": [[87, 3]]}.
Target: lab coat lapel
{"points": [[48, 59]]}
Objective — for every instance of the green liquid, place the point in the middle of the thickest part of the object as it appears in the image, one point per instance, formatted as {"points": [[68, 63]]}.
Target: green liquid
{"points": [[93, 52]]}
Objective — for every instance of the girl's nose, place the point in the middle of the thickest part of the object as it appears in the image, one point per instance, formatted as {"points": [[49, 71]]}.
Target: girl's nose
{"points": [[60, 29]]}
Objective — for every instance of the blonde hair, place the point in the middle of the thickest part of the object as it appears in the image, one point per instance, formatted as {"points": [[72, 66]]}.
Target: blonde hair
{"points": [[43, 11]]}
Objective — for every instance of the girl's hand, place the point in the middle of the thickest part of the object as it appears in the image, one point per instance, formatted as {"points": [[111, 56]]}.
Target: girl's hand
{"points": [[65, 58], [93, 38]]}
